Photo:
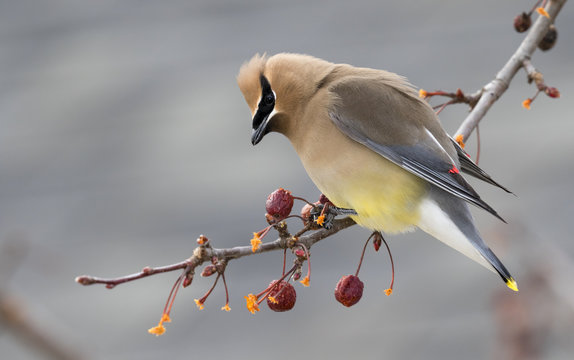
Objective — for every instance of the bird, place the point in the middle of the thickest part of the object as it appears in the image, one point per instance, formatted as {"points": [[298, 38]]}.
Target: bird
{"points": [[370, 143]]}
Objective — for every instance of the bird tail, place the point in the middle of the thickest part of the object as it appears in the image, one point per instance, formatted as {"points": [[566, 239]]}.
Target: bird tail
{"points": [[449, 220]]}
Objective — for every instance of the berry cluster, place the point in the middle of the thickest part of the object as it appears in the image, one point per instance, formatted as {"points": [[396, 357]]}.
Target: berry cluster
{"points": [[280, 294]]}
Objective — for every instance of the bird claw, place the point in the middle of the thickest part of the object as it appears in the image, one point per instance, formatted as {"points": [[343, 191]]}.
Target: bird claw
{"points": [[329, 214]]}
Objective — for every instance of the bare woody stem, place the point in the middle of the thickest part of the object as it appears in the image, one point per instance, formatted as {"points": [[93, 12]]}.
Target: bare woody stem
{"points": [[494, 89], [204, 253], [538, 79], [147, 271]]}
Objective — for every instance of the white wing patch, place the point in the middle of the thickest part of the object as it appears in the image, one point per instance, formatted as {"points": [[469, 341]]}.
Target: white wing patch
{"points": [[439, 145]]}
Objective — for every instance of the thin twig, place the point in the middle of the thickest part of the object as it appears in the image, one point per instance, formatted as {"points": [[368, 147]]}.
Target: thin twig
{"points": [[494, 89], [147, 271], [205, 253]]}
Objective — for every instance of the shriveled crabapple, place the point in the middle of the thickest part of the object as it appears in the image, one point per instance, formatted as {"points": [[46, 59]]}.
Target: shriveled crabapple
{"points": [[282, 296], [522, 22], [279, 203], [349, 290], [549, 39]]}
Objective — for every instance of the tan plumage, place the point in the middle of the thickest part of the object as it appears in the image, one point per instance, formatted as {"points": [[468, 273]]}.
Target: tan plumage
{"points": [[370, 144]]}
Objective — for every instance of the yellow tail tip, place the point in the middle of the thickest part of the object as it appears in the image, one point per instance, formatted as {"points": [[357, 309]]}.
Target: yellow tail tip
{"points": [[511, 283]]}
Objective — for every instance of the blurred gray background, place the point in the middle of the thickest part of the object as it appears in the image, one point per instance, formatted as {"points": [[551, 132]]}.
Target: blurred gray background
{"points": [[124, 136]]}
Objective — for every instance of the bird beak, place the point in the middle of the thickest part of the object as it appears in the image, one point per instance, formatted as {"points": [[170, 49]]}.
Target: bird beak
{"points": [[260, 126]]}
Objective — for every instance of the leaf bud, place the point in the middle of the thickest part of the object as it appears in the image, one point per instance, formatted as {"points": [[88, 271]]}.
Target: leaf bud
{"points": [[209, 270]]}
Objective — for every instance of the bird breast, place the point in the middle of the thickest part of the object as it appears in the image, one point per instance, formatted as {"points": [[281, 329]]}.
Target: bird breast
{"points": [[385, 196]]}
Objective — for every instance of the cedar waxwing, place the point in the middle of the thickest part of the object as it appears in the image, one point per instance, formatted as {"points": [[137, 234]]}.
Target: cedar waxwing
{"points": [[370, 144]]}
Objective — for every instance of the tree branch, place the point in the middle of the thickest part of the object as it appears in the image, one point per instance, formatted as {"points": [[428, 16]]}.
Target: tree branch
{"points": [[492, 91], [205, 253]]}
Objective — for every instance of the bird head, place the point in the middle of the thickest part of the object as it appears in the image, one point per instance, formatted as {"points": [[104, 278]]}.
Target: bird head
{"points": [[277, 89]]}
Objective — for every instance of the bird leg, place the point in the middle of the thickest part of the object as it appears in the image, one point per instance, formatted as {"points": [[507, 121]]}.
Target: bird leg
{"points": [[324, 214], [342, 211]]}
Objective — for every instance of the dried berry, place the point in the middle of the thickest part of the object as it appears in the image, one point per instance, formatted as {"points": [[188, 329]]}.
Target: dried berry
{"points": [[349, 290], [279, 203], [282, 297], [522, 22], [549, 39]]}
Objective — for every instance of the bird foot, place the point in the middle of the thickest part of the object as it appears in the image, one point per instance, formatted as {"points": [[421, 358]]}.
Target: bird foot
{"points": [[324, 214]]}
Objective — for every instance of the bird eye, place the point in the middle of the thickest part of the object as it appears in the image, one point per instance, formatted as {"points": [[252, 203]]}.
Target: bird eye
{"points": [[269, 99]]}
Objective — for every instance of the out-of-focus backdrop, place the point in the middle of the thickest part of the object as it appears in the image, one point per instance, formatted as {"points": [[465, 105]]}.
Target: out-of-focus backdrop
{"points": [[123, 136]]}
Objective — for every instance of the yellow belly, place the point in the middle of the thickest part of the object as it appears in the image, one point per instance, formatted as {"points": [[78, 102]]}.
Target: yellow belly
{"points": [[385, 196]]}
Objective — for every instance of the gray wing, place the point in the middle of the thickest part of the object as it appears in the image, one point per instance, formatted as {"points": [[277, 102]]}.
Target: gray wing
{"points": [[468, 166], [401, 128]]}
